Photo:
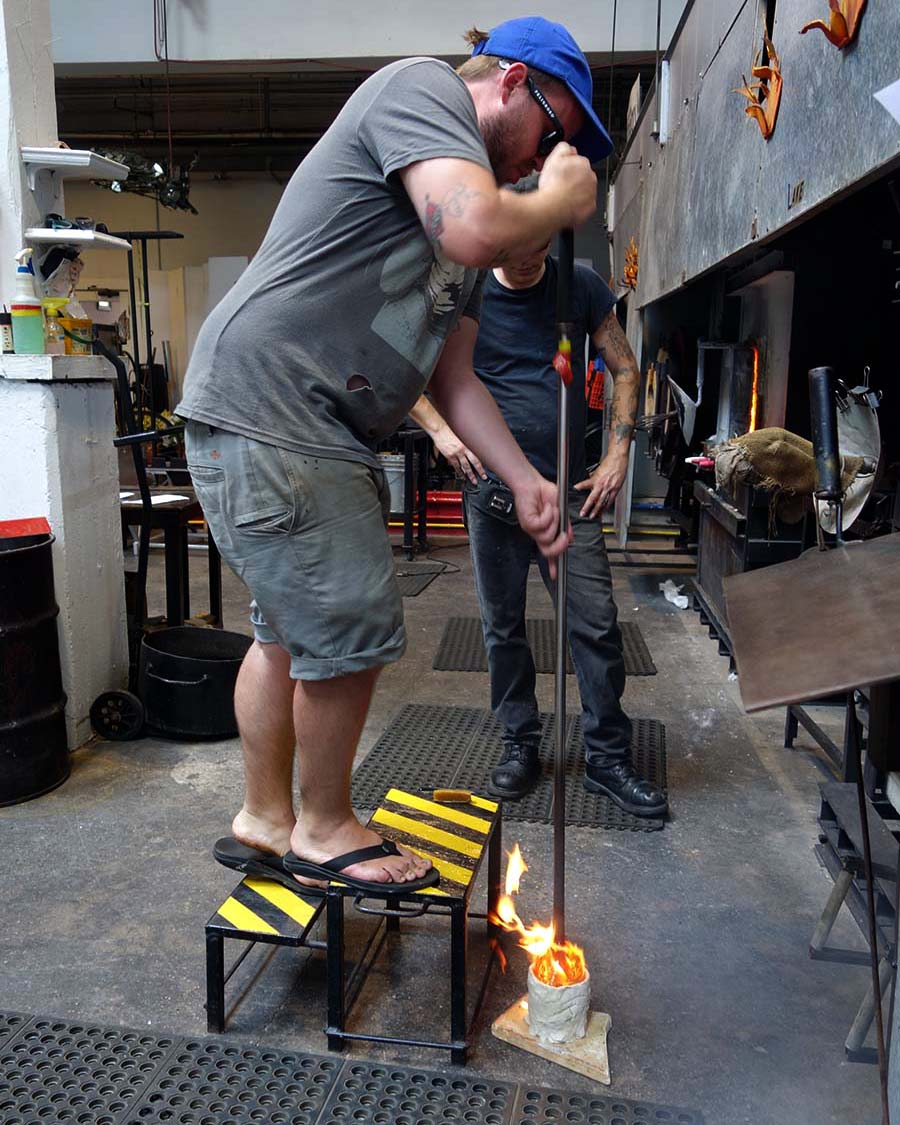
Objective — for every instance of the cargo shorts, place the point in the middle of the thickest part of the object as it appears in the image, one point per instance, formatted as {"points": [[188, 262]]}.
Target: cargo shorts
{"points": [[307, 535]]}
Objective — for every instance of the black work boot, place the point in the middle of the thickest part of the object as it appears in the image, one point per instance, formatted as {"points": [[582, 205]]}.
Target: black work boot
{"points": [[623, 785], [517, 772]]}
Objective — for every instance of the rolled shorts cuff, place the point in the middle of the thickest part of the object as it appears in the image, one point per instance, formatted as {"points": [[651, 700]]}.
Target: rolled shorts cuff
{"points": [[310, 668]]}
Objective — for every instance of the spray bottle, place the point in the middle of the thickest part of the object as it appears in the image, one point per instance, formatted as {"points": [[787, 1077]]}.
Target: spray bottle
{"points": [[27, 322]]}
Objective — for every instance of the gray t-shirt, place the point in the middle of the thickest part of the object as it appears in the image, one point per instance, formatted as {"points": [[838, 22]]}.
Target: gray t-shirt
{"points": [[334, 329]]}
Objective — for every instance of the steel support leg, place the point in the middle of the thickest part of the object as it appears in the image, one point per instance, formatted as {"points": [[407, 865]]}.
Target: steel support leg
{"points": [[856, 1037], [334, 962], [790, 728], [818, 950], [459, 938], [493, 886], [215, 983]]}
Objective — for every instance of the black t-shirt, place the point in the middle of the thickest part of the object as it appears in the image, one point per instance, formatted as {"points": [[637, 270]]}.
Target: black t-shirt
{"points": [[517, 340]]}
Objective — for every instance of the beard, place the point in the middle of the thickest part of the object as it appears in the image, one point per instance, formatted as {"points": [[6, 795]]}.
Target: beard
{"points": [[500, 142]]}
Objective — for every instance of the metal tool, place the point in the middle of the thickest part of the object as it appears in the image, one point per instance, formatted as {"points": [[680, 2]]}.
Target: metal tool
{"points": [[823, 416], [562, 362]]}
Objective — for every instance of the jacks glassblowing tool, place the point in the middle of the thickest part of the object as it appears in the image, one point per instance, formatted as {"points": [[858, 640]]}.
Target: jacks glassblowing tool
{"points": [[562, 362]]}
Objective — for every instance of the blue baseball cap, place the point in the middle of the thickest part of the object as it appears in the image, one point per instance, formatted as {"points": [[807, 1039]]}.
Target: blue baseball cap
{"points": [[549, 47]]}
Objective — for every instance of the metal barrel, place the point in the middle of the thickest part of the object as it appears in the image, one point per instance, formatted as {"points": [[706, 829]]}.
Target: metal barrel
{"points": [[34, 752]]}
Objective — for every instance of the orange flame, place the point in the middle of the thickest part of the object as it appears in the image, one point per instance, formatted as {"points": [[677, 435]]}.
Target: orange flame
{"points": [[754, 392], [552, 963]]}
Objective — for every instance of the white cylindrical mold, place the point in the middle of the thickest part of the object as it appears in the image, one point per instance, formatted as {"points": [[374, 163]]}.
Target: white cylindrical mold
{"points": [[558, 1014]]}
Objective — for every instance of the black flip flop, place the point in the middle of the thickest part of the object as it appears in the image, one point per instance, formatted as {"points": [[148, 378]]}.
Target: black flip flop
{"points": [[233, 854], [333, 870]]}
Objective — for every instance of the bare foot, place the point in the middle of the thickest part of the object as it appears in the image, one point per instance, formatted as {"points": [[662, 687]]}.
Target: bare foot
{"points": [[263, 834], [319, 848]]}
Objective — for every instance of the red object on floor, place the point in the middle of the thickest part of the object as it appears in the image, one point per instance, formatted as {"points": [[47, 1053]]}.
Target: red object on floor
{"points": [[444, 506], [443, 514], [23, 533]]}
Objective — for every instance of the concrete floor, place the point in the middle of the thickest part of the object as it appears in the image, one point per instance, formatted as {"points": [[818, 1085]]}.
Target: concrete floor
{"points": [[696, 936]]}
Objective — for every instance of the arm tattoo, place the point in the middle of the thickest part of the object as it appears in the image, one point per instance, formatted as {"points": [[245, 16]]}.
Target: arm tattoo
{"points": [[619, 358], [454, 204], [614, 346], [434, 222]]}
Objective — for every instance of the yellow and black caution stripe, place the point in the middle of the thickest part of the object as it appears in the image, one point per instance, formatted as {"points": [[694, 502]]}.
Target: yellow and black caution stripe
{"points": [[264, 907], [453, 837]]}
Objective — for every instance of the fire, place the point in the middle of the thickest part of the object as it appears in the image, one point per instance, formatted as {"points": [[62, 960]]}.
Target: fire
{"points": [[754, 392], [553, 964]]}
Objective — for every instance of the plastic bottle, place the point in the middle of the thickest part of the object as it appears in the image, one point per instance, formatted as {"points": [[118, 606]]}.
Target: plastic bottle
{"points": [[27, 322], [54, 336]]}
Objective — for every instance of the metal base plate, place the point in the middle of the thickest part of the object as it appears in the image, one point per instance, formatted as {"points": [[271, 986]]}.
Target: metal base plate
{"points": [[414, 577], [60, 1070], [462, 647], [457, 747]]}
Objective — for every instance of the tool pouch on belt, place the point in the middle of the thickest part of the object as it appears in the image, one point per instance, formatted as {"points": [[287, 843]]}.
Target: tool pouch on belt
{"points": [[491, 499]]}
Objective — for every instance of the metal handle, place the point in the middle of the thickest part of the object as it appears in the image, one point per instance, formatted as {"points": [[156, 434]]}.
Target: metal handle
{"points": [[391, 911], [565, 279], [177, 683], [823, 415]]}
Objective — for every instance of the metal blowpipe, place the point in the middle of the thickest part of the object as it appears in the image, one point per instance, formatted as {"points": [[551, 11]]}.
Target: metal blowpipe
{"points": [[563, 364]]}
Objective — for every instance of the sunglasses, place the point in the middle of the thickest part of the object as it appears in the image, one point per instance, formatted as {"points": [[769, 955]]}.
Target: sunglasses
{"points": [[549, 140]]}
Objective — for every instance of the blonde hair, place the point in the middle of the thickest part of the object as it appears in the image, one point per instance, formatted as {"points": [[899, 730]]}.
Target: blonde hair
{"points": [[481, 66]]}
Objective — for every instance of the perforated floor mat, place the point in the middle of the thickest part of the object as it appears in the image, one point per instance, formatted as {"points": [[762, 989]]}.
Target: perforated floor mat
{"points": [[413, 577], [541, 1107], [54, 1071], [462, 647], [431, 747]]}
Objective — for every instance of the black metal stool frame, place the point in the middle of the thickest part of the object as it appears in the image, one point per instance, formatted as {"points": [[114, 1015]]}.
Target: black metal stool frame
{"points": [[343, 992]]}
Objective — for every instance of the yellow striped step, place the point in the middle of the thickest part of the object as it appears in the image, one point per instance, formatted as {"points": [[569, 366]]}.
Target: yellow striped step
{"points": [[453, 836], [267, 911]]}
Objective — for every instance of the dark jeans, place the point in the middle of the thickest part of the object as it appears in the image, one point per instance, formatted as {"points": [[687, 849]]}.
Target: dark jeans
{"points": [[501, 553]]}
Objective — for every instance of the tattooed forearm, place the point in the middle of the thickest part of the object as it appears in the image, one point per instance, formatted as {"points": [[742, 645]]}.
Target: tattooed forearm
{"points": [[613, 345], [622, 431], [619, 358], [625, 403]]}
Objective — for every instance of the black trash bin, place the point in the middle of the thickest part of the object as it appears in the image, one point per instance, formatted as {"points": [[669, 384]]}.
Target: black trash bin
{"points": [[34, 751], [186, 681]]}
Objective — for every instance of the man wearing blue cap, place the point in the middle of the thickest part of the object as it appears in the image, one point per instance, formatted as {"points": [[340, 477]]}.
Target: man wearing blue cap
{"points": [[364, 290]]}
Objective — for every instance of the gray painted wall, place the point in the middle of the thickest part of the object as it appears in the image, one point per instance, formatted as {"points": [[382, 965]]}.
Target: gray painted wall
{"points": [[716, 187], [95, 32]]}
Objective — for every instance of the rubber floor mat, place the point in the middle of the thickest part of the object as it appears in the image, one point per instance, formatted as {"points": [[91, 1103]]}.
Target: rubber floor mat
{"points": [[461, 648], [429, 747], [62, 1071], [414, 577]]}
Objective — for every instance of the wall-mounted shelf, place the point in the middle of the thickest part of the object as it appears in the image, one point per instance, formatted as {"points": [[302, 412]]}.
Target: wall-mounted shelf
{"points": [[71, 164], [83, 239]]}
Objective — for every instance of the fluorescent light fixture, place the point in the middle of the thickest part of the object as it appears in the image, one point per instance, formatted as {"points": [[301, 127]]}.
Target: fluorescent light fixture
{"points": [[104, 303]]}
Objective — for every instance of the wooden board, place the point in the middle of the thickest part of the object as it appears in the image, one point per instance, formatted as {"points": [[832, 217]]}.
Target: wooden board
{"points": [[587, 1056]]}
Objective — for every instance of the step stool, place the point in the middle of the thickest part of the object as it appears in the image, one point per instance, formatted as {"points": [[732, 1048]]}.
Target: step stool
{"points": [[455, 837], [257, 910]]}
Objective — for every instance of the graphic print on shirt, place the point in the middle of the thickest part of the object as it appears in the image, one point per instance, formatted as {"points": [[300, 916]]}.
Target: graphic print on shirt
{"points": [[425, 291]]}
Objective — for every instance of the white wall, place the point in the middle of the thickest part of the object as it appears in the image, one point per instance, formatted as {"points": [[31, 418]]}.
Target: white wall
{"points": [[57, 460], [27, 117], [232, 221], [97, 33], [233, 218]]}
